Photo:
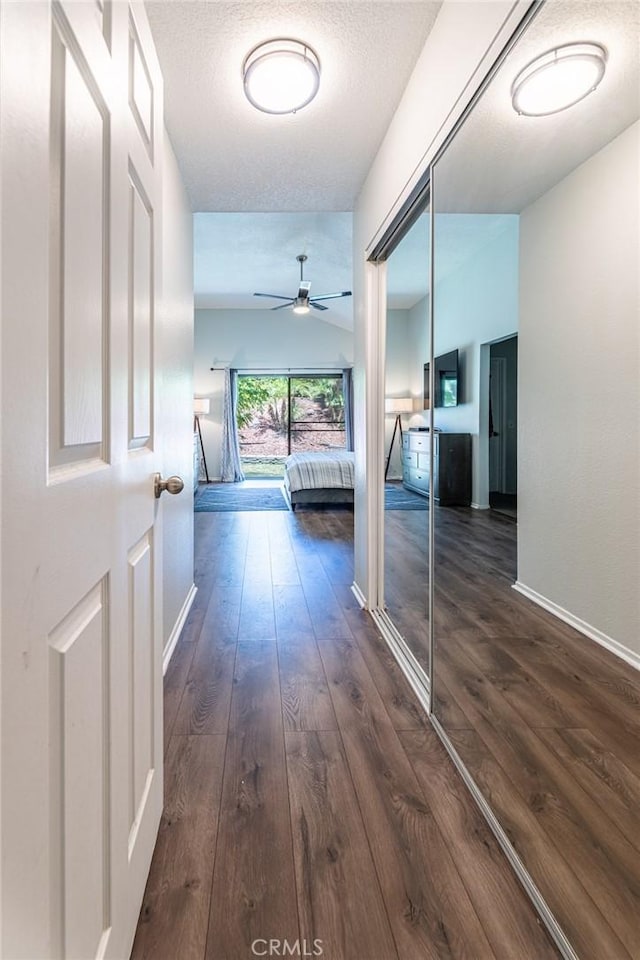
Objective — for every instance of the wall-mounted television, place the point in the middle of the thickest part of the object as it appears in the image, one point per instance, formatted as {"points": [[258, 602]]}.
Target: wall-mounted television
{"points": [[446, 380]]}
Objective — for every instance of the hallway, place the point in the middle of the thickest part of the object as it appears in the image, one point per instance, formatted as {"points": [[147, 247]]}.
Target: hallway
{"points": [[306, 797]]}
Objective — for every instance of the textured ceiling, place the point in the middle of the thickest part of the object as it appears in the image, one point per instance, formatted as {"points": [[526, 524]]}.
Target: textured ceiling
{"points": [[234, 158], [500, 162]]}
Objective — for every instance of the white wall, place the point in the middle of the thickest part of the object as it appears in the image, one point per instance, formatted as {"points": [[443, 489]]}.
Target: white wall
{"points": [[579, 396], [476, 301], [463, 43], [406, 352], [398, 353], [175, 349], [419, 333], [250, 339]]}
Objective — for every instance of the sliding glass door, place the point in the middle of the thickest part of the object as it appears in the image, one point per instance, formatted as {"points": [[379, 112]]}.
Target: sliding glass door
{"points": [[317, 413], [283, 414]]}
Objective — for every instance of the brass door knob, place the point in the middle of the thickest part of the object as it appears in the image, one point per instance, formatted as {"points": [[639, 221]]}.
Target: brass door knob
{"points": [[172, 485]]}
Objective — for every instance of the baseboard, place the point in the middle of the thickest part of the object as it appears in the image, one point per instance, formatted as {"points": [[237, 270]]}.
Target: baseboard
{"points": [[480, 506], [614, 646], [412, 669], [359, 595], [177, 628]]}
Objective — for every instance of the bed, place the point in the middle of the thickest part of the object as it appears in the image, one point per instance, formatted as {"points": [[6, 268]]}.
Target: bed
{"points": [[316, 478]]}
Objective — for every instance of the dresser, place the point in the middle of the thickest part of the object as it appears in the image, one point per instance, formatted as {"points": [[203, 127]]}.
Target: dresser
{"points": [[451, 465]]}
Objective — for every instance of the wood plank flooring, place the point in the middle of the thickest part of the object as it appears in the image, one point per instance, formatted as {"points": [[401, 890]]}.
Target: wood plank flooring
{"points": [[547, 722], [406, 577], [307, 799]]}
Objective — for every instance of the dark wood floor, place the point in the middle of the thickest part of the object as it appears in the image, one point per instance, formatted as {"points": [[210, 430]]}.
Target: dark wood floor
{"points": [[547, 722], [306, 796], [406, 578]]}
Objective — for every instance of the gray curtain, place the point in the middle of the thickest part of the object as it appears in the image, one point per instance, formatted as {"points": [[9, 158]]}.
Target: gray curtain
{"points": [[231, 468], [347, 392]]}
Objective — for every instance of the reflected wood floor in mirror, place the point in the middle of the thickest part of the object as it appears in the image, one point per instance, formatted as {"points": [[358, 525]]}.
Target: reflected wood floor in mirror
{"points": [[548, 723], [307, 797], [406, 578]]}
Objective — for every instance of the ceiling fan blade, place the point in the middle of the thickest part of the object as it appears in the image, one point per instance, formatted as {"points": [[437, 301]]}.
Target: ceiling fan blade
{"points": [[281, 306], [332, 296], [274, 296], [317, 306]]}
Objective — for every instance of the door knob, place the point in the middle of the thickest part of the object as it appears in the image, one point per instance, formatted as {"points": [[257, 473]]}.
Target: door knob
{"points": [[173, 485]]}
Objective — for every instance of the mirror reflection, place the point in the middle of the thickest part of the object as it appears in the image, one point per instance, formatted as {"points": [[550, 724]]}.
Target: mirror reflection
{"points": [[537, 363], [406, 523]]}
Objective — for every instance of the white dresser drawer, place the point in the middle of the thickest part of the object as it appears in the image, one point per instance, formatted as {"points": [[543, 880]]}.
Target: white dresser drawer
{"points": [[419, 441]]}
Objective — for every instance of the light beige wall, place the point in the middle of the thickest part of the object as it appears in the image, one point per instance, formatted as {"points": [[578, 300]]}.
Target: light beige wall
{"points": [[579, 399], [466, 38], [175, 350]]}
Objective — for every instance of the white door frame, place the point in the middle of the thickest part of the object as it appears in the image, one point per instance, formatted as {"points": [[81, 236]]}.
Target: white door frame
{"points": [[497, 443]]}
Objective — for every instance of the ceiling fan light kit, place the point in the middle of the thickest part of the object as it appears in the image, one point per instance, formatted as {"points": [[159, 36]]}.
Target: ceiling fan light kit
{"points": [[300, 306], [302, 302], [281, 76], [558, 79]]}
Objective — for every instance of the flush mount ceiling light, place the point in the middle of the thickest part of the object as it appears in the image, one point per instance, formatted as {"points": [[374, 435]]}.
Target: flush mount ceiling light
{"points": [[281, 76], [558, 78]]}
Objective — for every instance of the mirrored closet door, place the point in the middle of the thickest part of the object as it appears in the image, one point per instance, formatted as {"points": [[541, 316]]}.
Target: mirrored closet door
{"points": [[406, 514], [536, 210]]}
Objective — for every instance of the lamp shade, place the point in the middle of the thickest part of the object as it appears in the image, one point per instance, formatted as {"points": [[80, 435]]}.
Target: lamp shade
{"points": [[398, 405], [201, 405]]}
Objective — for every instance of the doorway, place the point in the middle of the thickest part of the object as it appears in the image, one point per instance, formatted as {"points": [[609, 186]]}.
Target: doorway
{"points": [[503, 426]]}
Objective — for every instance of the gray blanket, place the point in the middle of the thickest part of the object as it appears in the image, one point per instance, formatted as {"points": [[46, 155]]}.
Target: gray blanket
{"points": [[313, 471]]}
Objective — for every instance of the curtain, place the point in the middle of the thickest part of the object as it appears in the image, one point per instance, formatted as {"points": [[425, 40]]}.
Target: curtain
{"points": [[347, 392], [231, 468]]}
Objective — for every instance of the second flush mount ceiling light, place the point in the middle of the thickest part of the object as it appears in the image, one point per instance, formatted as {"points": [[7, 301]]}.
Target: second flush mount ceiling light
{"points": [[281, 76], [558, 79]]}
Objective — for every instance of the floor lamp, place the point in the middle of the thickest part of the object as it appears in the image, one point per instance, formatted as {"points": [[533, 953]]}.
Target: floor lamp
{"points": [[201, 406], [397, 405]]}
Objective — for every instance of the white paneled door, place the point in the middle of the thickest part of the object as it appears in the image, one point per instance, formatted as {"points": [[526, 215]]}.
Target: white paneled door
{"points": [[81, 788]]}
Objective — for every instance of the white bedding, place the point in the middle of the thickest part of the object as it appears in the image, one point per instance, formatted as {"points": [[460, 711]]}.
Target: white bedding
{"points": [[319, 471]]}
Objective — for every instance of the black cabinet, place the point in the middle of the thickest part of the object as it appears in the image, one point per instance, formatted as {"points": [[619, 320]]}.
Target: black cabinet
{"points": [[451, 465]]}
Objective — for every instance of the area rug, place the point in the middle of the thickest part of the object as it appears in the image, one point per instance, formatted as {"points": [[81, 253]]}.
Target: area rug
{"points": [[235, 498], [397, 498]]}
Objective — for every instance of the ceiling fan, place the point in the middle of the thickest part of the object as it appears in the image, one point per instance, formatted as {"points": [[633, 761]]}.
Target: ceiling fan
{"points": [[302, 301]]}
